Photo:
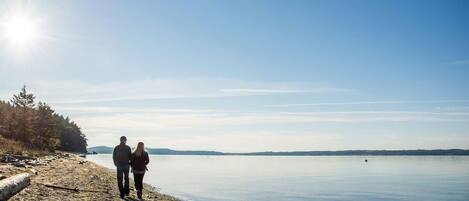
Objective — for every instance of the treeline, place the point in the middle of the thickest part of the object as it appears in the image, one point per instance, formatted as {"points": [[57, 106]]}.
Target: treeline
{"points": [[38, 126]]}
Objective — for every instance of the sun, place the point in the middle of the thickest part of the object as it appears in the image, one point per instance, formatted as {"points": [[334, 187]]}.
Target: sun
{"points": [[23, 30], [20, 30]]}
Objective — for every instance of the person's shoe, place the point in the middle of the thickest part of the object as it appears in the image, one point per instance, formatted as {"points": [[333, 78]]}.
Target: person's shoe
{"points": [[139, 194]]}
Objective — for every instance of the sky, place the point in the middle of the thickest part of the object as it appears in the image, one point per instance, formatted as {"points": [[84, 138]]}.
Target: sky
{"points": [[244, 76]]}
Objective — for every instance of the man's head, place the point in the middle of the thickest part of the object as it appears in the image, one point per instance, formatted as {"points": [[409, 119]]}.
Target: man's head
{"points": [[123, 139]]}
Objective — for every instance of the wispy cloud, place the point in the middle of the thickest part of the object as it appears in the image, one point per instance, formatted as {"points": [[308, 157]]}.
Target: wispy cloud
{"points": [[128, 110], [368, 103], [70, 92], [206, 128], [179, 120], [460, 62], [260, 91]]}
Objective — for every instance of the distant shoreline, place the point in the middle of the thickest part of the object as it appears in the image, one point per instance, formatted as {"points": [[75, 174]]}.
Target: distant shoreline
{"points": [[416, 152]]}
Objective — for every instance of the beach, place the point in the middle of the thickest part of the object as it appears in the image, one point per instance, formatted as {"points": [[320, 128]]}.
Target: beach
{"points": [[70, 171]]}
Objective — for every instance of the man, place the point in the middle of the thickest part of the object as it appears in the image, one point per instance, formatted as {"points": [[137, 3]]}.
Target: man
{"points": [[121, 156]]}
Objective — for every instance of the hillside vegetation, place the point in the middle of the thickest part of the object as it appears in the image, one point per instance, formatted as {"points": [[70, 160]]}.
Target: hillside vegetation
{"points": [[25, 125]]}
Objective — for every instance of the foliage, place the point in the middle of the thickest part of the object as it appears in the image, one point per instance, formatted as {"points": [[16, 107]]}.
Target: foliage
{"points": [[38, 126]]}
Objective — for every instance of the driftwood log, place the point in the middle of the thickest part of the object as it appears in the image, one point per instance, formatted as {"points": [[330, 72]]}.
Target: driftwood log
{"points": [[12, 185]]}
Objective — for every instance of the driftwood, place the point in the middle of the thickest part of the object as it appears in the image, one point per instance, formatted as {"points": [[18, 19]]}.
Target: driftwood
{"points": [[21, 157], [12, 185], [74, 189]]}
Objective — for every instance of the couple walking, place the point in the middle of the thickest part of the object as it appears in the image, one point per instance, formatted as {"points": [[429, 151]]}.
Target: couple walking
{"points": [[137, 161]]}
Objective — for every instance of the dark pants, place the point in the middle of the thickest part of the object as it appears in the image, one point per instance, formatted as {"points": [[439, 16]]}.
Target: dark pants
{"points": [[123, 171], [138, 180]]}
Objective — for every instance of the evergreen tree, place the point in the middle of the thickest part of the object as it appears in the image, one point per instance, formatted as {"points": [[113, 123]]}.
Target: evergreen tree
{"points": [[24, 104], [47, 136], [4, 113], [23, 99], [71, 139], [39, 127]]}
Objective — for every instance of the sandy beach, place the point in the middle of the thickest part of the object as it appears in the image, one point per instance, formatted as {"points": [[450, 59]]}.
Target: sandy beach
{"points": [[93, 182]]}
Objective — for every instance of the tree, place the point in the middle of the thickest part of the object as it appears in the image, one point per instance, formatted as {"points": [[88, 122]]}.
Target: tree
{"points": [[24, 103], [23, 99], [71, 137], [39, 126], [5, 109], [46, 133]]}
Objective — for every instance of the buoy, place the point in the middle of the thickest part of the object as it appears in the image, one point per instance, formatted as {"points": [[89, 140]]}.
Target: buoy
{"points": [[366, 160]]}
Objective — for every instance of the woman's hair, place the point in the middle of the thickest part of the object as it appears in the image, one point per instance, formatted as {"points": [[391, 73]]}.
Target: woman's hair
{"points": [[140, 149]]}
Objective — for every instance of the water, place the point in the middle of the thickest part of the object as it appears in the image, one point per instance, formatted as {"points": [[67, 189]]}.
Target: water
{"points": [[276, 178]]}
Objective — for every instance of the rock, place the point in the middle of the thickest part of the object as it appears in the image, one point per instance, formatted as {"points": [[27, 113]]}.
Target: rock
{"points": [[33, 171], [2, 177]]}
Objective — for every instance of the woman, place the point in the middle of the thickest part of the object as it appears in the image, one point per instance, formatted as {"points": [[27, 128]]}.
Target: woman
{"points": [[139, 162]]}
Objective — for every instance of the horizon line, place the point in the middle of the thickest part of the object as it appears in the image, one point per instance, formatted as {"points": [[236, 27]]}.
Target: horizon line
{"points": [[341, 150]]}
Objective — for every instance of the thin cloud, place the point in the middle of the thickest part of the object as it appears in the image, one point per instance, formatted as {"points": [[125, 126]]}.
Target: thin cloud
{"points": [[261, 91], [460, 62], [368, 103], [170, 121], [129, 110], [173, 123], [59, 92]]}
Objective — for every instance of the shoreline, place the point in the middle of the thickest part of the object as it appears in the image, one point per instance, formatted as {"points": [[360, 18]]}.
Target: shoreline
{"points": [[93, 181]]}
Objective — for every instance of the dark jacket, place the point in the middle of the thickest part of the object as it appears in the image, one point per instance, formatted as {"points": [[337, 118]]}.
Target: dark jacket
{"points": [[139, 163], [121, 155]]}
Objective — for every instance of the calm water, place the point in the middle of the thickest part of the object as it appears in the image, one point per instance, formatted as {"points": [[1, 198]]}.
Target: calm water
{"points": [[272, 178]]}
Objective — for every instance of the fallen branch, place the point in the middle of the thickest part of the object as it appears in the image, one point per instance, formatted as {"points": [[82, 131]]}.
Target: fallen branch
{"points": [[74, 189], [61, 187], [12, 185]]}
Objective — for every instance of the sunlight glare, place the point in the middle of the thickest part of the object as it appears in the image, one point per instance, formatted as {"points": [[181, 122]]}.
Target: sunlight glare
{"points": [[20, 30]]}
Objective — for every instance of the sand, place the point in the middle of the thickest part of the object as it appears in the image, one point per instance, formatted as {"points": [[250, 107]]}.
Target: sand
{"points": [[73, 172]]}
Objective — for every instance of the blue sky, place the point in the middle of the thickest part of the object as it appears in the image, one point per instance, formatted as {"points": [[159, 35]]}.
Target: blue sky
{"points": [[249, 75]]}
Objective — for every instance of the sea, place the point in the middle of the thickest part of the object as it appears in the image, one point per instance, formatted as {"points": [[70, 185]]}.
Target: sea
{"points": [[305, 178]]}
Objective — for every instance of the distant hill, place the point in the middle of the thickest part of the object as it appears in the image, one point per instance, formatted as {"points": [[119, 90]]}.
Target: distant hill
{"points": [[100, 150], [418, 152], [155, 151]]}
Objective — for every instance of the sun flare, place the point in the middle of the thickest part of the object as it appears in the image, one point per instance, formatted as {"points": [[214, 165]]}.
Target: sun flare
{"points": [[20, 30]]}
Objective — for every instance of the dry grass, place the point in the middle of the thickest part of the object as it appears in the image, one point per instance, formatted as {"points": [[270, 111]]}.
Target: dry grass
{"points": [[16, 147]]}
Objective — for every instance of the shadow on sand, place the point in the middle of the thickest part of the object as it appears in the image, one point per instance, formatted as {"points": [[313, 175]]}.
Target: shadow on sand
{"points": [[132, 199]]}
